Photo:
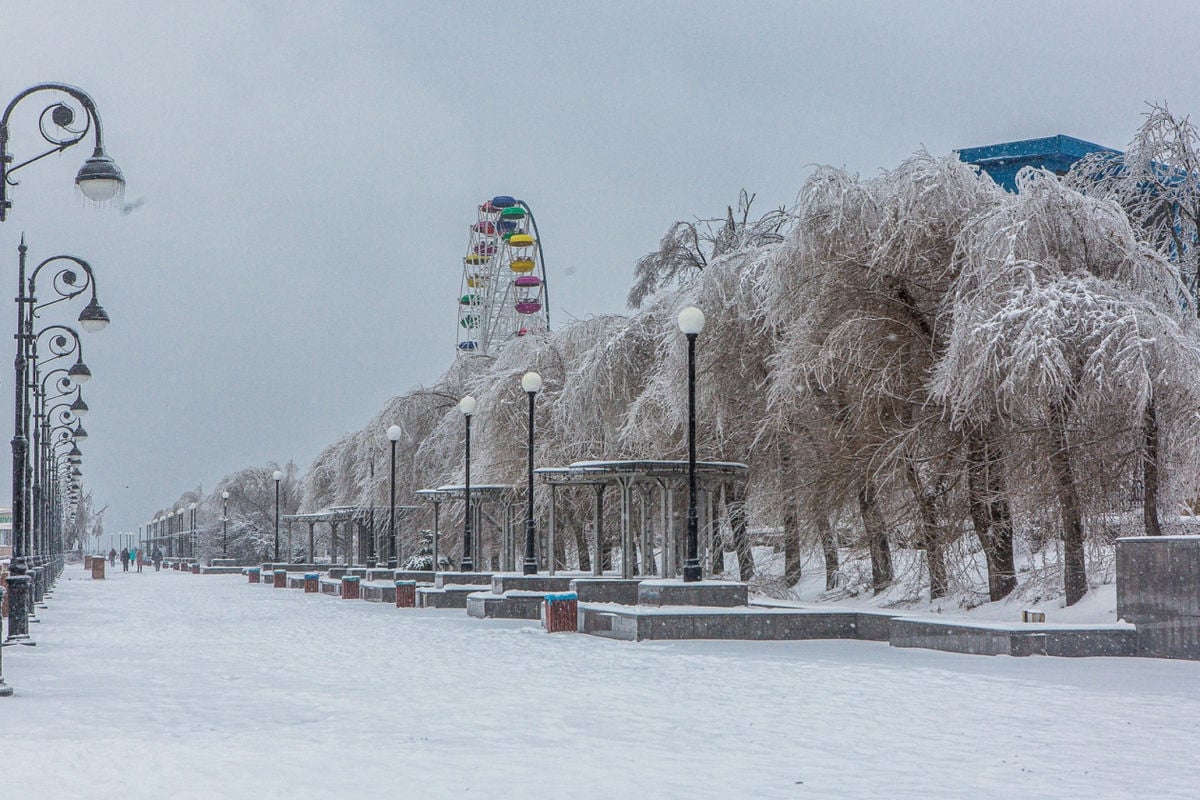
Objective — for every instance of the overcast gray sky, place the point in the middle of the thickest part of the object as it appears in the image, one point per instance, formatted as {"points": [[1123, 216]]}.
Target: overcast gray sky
{"points": [[309, 170]]}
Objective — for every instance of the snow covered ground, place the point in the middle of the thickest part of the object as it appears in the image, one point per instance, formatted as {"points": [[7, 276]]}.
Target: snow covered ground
{"points": [[182, 686]]}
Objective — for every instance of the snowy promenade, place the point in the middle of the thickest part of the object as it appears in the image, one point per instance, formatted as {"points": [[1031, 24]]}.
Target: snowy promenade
{"points": [[182, 686]]}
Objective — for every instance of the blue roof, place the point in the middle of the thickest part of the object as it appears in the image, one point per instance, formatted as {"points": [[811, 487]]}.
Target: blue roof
{"points": [[1003, 161]]}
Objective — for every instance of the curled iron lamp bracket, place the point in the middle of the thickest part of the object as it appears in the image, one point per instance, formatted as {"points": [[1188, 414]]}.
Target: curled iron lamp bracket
{"points": [[63, 123], [66, 284]]}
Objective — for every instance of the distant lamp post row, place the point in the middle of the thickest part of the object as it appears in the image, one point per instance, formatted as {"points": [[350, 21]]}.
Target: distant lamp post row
{"points": [[54, 492], [531, 384], [691, 324]]}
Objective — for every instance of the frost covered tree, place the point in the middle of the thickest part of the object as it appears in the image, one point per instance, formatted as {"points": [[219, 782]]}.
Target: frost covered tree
{"points": [[915, 367], [687, 248], [857, 298], [1157, 182], [252, 508], [1069, 340]]}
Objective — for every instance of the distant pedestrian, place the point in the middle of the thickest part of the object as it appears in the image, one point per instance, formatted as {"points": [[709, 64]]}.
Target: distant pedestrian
{"points": [[125, 559], [140, 558], [133, 557], [112, 557], [157, 558]]}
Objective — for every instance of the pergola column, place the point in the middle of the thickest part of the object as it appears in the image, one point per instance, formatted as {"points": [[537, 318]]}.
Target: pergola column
{"points": [[552, 558], [645, 535], [436, 533], [598, 530]]}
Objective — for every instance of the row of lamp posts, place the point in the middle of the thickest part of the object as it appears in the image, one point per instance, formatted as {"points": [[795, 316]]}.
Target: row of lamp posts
{"points": [[169, 529], [49, 407], [691, 323]]}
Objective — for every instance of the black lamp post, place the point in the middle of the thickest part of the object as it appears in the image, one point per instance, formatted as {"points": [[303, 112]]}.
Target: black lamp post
{"points": [[393, 434], [531, 382], [467, 407], [691, 322], [224, 524], [192, 532], [277, 477]]}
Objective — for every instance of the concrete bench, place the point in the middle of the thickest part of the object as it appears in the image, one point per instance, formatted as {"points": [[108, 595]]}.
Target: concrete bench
{"points": [[450, 596], [514, 604], [443, 579], [346, 572], [623, 591], [379, 591], [507, 581], [1015, 639], [224, 570]]}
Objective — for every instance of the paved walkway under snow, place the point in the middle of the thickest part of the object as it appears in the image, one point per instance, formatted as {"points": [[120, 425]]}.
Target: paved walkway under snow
{"points": [[185, 686]]}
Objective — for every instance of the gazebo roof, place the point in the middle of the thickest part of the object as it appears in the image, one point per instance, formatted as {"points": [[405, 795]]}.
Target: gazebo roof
{"points": [[340, 513], [596, 472], [480, 492]]}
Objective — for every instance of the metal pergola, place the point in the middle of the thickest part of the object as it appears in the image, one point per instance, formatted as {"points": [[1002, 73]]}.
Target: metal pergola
{"points": [[647, 476]]}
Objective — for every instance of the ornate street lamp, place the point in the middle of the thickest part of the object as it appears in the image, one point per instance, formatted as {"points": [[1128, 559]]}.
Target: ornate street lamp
{"points": [[467, 407], [224, 524], [277, 476], [531, 382], [393, 435], [99, 179], [691, 322]]}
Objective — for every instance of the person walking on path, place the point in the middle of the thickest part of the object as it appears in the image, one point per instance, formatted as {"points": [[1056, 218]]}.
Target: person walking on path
{"points": [[157, 558], [140, 556], [112, 557], [125, 559], [133, 558]]}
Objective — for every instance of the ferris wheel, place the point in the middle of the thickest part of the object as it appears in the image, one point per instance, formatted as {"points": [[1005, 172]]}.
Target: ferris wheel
{"points": [[503, 292]]}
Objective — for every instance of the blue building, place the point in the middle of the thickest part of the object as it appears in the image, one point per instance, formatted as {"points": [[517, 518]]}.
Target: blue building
{"points": [[1003, 161]]}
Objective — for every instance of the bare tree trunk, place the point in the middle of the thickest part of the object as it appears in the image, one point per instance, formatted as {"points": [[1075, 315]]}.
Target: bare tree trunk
{"points": [[741, 539], [991, 515], [829, 548], [931, 534], [1074, 569], [716, 559], [791, 522], [791, 546], [582, 548], [1150, 471], [877, 541]]}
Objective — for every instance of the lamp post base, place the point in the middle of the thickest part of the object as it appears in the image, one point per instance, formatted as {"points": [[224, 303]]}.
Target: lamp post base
{"points": [[467, 565], [529, 568], [692, 573], [5, 689]]}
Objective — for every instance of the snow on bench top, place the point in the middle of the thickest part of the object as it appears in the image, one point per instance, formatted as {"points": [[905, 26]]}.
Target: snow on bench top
{"points": [[1022, 627]]}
